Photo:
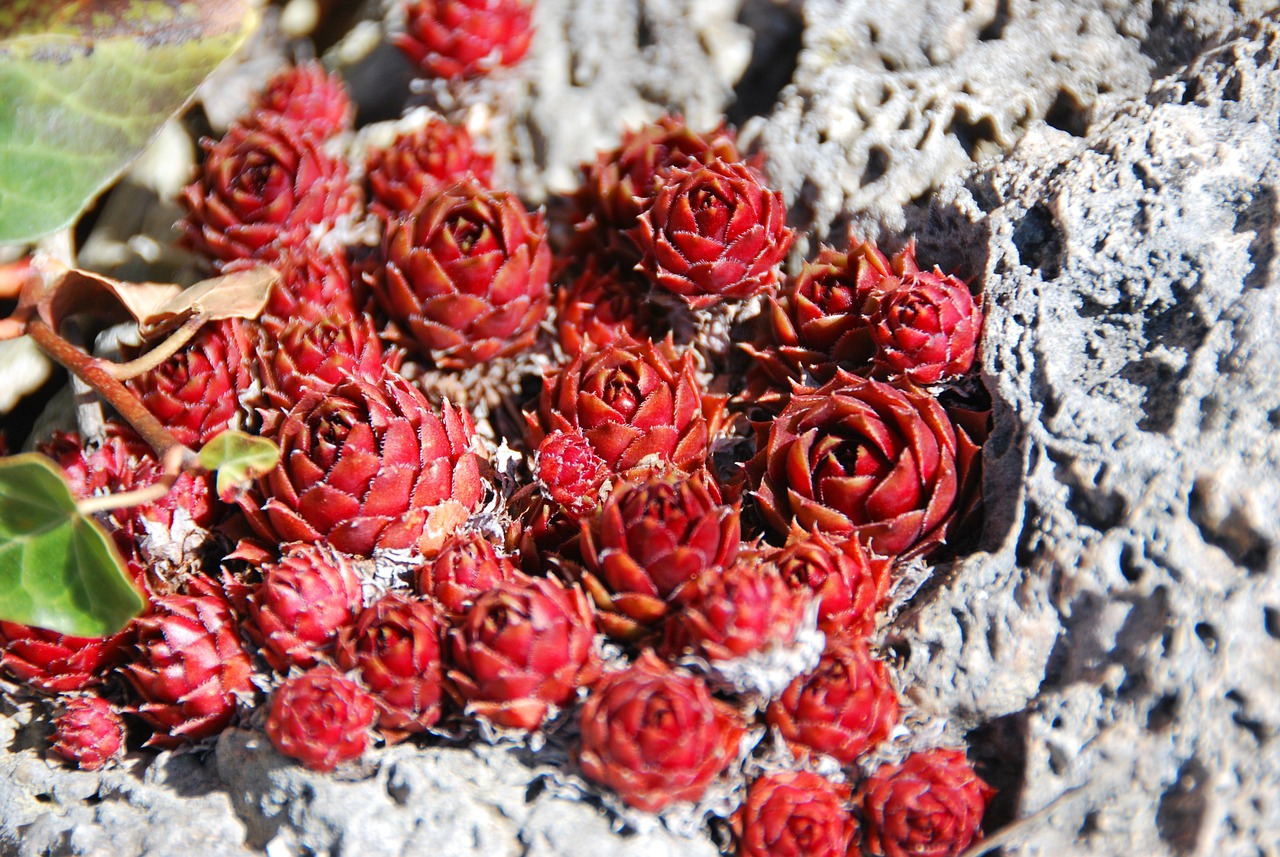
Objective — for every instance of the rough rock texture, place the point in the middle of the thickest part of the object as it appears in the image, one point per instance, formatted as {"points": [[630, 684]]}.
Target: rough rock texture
{"points": [[1123, 634], [1113, 655], [889, 99]]}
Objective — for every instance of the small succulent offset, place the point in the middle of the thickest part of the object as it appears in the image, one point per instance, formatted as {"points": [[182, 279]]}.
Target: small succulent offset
{"points": [[394, 575]]}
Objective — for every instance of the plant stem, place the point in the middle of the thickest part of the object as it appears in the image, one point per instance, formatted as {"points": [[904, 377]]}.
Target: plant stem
{"points": [[90, 370], [157, 355]]}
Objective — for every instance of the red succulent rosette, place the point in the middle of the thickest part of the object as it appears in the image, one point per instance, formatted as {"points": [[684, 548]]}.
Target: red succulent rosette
{"points": [[795, 814], [88, 731], [602, 305], [302, 603], [651, 538], [304, 355], [57, 663], [395, 645], [850, 584], [189, 668], [321, 718], [862, 458], [843, 708], [466, 567], [730, 612], [927, 329], [929, 806], [453, 39], [623, 181], [309, 99], [632, 400], [262, 189], [655, 735], [124, 462], [569, 472], [467, 275], [817, 323], [198, 392], [422, 163], [713, 233], [523, 647], [314, 286], [365, 466]]}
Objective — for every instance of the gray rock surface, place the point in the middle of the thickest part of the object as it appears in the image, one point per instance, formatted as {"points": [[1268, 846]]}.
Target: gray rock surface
{"points": [[1122, 635], [1112, 654]]}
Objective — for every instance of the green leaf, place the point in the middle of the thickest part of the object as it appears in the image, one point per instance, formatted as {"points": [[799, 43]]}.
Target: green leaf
{"points": [[238, 458], [84, 87], [58, 568]]}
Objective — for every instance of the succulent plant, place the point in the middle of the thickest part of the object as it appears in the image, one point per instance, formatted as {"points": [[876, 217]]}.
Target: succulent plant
{"points": [[623, 181], [467, 275], [365, 466], [88, 730], [303, 601], [309, 99], [523, 647], [849, 583], [817, 324], [926, 329], [467, 566], [713, 233], [632, 400], [729, 612], [198, 392], [652, 537], [188, 667], [601, 305], [303, 355], [423, 163], [655, 735], [57, 663], [321, 718], [314, 286], [463, 38], [569, 472], [931, 805], [395, 646], [842, 709], [795, 814], [263, 189], [860, 457]]}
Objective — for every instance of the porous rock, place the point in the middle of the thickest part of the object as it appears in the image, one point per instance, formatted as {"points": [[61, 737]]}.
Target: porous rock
{"points": [[1114, 652]]}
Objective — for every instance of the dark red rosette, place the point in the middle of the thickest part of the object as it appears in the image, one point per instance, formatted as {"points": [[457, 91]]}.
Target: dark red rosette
{"points": [[422, 163], [861, 458], [795, 814], [395, 645], [524, 646], [713, 233], [843, 708], [467, 275], [655, 735], [263, 189], [929, 806], [365, 466], [321, 718], [463, 38]]}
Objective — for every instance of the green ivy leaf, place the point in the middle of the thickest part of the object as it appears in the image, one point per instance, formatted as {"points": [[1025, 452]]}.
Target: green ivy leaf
{"points": [[84, 87], [58, 568], [239, 459]]}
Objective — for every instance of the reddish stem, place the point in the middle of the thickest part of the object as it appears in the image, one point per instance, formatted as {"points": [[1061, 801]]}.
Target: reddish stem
{"points": [[90, 370]]}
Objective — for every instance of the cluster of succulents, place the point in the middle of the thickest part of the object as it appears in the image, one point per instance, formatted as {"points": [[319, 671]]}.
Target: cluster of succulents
{"points": [[675, 569]]}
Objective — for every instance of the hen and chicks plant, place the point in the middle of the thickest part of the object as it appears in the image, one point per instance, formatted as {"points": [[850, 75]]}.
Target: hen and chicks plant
{"points": [[385, 585]]}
